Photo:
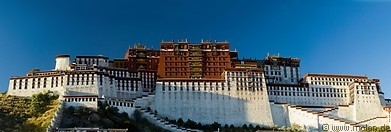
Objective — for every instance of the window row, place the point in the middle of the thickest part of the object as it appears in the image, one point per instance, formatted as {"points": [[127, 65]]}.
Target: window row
{"points": [[187, 83], [328, 90], [366, 92], [89, 61], [124, 85], [168, 88], [81, 79], [256, 74], [42, 82], [121, 73], [330, 83], [177, 58], [168, 64], [282, 88], [244, 79], [278, 93], [334, 79], [81, 99], [116, 103]]}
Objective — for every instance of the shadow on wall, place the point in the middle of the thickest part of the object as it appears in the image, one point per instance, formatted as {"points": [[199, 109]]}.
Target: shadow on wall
{"points": [[280, 114], [207, 105]]}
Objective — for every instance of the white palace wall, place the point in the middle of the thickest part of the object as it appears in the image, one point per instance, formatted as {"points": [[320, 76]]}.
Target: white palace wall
{"points": [[280, 115], [81, 101], [24, 86], [302, 118], [211, 103], [307, 119], [345, 112], [242, 97], [366, 101], [122, 105], [77, 84]]}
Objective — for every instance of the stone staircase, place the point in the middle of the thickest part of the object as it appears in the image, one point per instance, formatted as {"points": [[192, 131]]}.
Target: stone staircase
{"points": [[141, 103], [370, 119], [55, 122], [323, 115], [329, 110], [153, 118], [359, 123]]}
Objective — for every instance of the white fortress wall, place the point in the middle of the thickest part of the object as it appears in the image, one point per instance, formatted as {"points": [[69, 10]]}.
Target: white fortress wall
{"points": [[313, 121], [240, 97], [82, 83], [81, 101], [345, 111], [278, 74], [27, 86], [114, 83], [299, 95], [365, 96], [382, 99], [280, 115], [122, 105], [379, 121], [209, 102], [307, 120]]}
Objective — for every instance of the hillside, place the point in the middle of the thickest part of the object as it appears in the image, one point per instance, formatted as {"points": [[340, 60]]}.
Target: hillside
{"points": [[105, 117], [14, 111], [35, 113], [27, 114]]}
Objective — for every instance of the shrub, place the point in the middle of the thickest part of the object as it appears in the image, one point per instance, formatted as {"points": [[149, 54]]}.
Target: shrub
{"points": [[190, 124], [251, 126], [295, 128], [180, 122], [39, 102], [137, 115], [244, 126], [257, 127]]}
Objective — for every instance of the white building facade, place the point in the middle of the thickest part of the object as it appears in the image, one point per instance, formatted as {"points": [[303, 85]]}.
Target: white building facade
{"points": [[86, 76], [272, 95], [240, 98], [280, 70]]}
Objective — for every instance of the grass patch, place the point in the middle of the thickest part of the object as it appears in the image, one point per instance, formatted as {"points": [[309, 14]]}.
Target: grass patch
{"points": [[23, 114], [106, 117]]}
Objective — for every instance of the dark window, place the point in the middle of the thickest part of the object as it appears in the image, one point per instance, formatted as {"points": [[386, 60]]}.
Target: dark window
{"points": [[25, 83], [39, 82]]}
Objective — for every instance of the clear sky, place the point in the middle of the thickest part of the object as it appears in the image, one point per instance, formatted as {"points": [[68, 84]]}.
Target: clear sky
{"points": [[343, 37]]}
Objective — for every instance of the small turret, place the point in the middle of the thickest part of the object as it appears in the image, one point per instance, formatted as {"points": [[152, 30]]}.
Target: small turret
{"points": [[62, 63]]}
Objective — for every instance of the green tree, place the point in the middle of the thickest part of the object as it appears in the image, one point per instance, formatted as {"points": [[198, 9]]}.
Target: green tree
{"points": [[251, 127], [215, 125], [244, 126], [295, 128], [190, 124], [137, 115], [199, 125], [257, 127], [39, 102], [180, 122]]}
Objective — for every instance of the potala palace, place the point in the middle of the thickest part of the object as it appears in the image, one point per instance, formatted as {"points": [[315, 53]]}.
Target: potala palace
{"points": [[207, 82]]}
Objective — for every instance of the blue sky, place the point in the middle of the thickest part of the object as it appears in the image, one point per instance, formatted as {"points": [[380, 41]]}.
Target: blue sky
{"points": [[343, 37]]}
